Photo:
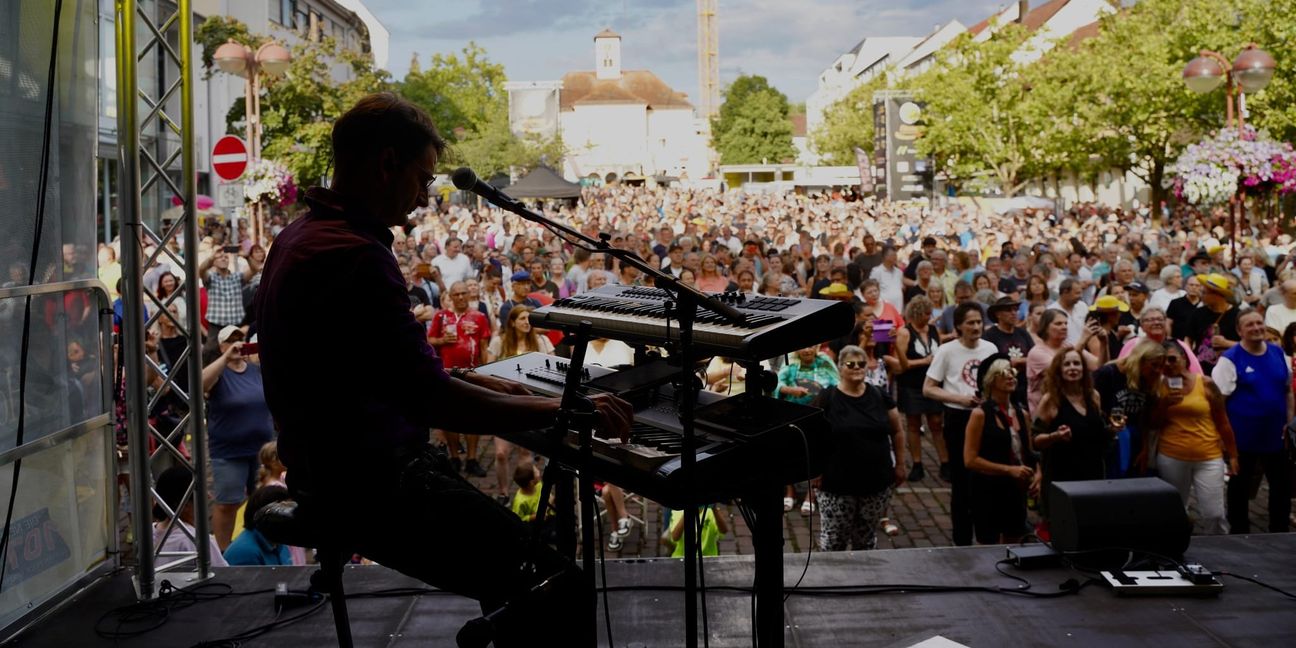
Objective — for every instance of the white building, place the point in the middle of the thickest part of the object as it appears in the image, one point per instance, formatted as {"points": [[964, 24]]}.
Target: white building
{"points": [[852, 69], [614, 120]]}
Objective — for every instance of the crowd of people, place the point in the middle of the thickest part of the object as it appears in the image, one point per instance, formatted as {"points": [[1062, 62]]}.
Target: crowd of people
{"points": [[1027, 346]]}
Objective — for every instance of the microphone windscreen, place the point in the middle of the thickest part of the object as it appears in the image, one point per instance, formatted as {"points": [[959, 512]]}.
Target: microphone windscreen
{"points": [[464, 178]]}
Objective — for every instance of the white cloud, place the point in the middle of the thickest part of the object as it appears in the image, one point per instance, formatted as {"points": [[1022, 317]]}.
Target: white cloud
{"points": [[787, 41]]}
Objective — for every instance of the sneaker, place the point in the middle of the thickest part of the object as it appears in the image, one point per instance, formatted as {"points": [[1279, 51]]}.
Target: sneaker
{"points": [[473, 468], [623, 527], [456, 463], [504, 500], [944, 471], [614, 542], [917, 473], [788, 503], [807, 507], [889, 527]]}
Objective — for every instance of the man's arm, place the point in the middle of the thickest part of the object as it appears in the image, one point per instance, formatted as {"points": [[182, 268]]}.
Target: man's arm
{"points": [[205, 265]]}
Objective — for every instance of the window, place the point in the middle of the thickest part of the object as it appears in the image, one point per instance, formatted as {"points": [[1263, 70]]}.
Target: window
{"points": [[281, 11], [301, 18]]}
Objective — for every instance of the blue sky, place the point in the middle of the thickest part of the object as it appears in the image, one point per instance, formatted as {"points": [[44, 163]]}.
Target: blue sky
{"points": [[788, 41]]}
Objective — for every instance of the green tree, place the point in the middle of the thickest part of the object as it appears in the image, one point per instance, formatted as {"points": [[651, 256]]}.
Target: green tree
{"points": [[216, 31], [990, 114], [848, 123], [1134, 111], [464, 94], [752, 125]]}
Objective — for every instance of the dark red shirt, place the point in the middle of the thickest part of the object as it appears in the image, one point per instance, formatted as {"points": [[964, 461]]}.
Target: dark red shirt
{"points": [[349, 375]]}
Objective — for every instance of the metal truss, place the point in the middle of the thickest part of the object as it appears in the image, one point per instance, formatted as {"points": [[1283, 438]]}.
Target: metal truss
{"points": [[156, 152]]}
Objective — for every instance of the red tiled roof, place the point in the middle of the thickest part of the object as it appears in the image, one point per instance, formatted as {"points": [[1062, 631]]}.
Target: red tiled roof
{"points": [[634, 86], [798, 124], [1035, 18], [1082, 34]]}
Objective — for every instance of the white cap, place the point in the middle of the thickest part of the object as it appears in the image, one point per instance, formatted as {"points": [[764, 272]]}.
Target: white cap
{"points": [[226, 332]]}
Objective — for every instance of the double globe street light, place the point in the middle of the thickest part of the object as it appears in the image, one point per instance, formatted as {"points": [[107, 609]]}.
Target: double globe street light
{"points": [[1250, 72], [239, 59]]}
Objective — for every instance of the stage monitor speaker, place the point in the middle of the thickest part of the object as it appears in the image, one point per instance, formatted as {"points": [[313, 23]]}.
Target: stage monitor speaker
{"points": [[1144, 514]]}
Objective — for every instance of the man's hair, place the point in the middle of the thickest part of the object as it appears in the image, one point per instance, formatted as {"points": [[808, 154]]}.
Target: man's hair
{"points": [[963, 310], [1066, 286], [379, 121]]}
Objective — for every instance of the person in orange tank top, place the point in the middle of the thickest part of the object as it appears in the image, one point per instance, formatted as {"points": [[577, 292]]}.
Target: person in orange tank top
{"points": [[1195, 447]]}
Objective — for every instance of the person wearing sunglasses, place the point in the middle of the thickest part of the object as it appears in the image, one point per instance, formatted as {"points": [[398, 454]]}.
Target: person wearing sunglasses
{"points": [[862, 471]]}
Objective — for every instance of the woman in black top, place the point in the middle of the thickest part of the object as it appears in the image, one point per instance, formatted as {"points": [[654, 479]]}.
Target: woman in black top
{"points": [[864, 429], [915, 344], [1125, 389], [1069, 428], [997, 453]]}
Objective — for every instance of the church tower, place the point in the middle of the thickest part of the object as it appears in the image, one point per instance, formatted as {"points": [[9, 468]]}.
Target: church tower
{"points": [[607, 55]]}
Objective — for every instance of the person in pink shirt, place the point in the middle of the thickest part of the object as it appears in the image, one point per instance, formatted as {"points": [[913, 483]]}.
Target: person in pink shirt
{"points": [[1153, 324]]}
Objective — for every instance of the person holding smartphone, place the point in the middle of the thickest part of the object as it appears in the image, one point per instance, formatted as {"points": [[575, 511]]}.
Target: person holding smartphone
{"points": [[952, 380], [1195, 448]]}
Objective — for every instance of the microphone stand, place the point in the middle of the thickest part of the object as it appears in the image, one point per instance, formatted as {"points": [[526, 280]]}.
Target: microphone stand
{"points": [[687, 301]]}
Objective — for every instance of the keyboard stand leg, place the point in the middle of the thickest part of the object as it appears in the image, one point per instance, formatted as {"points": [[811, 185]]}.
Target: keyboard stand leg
{"points": [[767, 541]]}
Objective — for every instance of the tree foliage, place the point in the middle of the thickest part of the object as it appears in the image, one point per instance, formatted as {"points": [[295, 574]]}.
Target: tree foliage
{"points": [[988, 114], [464, 94], [752, 125], [848, 123], [216, 31], [1115, 101]]}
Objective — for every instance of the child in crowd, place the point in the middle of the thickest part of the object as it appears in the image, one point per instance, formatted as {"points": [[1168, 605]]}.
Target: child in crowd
{"points": [[714, 524], [526, 501]]}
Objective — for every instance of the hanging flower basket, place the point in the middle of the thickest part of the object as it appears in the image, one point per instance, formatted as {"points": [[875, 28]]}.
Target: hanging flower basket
{"points": [[271, 183], [1213, 170]]}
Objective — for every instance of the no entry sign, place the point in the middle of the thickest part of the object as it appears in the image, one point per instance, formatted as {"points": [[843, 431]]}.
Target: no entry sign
{"points": [[229, 158]]}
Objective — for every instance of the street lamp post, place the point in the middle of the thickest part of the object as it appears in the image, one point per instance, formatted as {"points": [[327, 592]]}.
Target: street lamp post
{"points": [[239, 59], [1249, 72]]}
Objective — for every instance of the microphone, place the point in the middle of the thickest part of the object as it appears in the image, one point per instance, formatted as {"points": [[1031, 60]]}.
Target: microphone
{"points": [[465, 180]]}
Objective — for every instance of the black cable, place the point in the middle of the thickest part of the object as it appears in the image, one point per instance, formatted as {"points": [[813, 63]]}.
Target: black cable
{"points": [[607, 610], [42, 187], [701, 570], [1256, 582], [805, 444]]}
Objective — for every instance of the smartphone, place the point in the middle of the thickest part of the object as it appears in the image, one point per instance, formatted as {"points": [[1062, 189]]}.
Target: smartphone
{"points": [[882, 330], [1174, 382], [232, 249], [250, 348]]}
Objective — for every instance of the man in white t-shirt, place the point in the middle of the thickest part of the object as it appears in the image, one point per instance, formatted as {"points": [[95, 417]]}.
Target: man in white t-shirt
{"points": [[1278, 316], [952, 380], [890, 279], [1069, 301], [454, 265]]}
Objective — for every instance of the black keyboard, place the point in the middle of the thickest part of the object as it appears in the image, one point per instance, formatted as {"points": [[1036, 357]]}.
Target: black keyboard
{"points": [[740, 441], [773, 325]]}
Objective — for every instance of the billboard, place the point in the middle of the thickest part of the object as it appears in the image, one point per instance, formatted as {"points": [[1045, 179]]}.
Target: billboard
{"points": [[898, 170], [533, 107]]}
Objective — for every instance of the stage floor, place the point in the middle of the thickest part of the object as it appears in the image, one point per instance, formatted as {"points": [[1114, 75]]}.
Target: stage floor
{"points": [[1243, 615]]}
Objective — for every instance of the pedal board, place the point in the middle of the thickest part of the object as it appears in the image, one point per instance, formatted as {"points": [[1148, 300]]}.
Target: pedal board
{"points": [[1160, 583]]}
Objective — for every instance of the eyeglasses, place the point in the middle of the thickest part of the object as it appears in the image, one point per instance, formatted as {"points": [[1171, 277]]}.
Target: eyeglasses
{"points": [[852, 364], [431, 179]]}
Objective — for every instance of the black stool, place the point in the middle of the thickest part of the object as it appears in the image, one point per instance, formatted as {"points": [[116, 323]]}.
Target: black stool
{"points": [[285, 523]]}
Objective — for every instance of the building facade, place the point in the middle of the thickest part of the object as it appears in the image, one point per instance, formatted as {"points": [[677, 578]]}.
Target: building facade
{"points": [[290, 22], [614, 121]]}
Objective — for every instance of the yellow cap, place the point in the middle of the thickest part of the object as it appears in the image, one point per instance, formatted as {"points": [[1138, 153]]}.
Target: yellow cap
{"points": [[835, 290], [1217, 282], [1108, 304]]}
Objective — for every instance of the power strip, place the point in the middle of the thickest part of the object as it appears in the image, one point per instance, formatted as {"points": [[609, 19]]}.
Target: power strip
{"points": [[1160, 583]]}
